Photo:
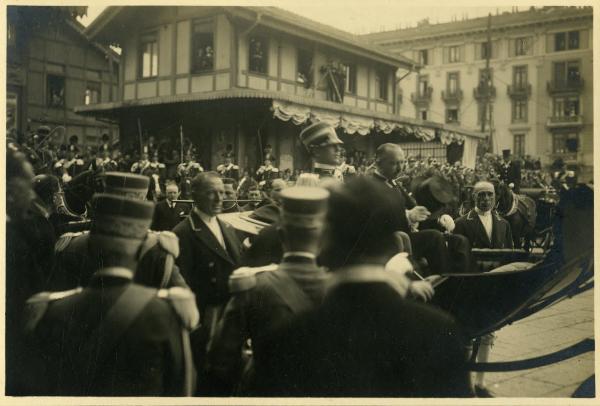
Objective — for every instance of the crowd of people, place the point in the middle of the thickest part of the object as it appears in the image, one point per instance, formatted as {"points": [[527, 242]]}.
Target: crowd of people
{"points": [[162, 297]]}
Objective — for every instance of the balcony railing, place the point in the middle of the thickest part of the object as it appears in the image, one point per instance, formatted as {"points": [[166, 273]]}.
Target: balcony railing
{"points": [[565, 86], [480, 92], [452, 97], [564, 121], [519, 90], [422, 97]]}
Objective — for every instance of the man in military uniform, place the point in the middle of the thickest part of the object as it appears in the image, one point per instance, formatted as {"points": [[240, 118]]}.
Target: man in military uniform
{"points": [[115, 337], [267, 171], [141, 165], [186, 171], [74, 265], [346, 169], [266, 297], [228, 169], [324, 147], [510, 171]]}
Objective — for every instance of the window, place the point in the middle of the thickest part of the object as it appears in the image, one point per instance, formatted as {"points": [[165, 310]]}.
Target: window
{"points": [[381, 84], [92, 93], [566, 106], [566, 40], [423, 85], [55, 91], [454, 54], [203, 50], [567, 73], [148, 56], [486, 50], [521, 46], [350, 78], [452, 116], [565, 143], [573, 40], [519, 145], [258, 55], [519, 110], [423, 57], [560, 43], [452, 83], [422, 114], [304, 67], [520, 77]]}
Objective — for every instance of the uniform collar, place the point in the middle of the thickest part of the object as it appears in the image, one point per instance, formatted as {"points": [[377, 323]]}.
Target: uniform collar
{"points": [[114, 272], [293, 256]]}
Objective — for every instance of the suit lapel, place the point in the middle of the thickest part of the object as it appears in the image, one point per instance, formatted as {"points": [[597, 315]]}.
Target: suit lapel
{"points": [[203, 233], [231, 241], [481, 230]]}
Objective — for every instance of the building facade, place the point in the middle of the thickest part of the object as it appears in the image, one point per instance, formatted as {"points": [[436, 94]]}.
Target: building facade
{"points": [[51, 68], [239, 78], [539, 84]]}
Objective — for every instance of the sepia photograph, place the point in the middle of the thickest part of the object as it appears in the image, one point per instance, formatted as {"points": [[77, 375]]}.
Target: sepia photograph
{"points": [[296, 201]]}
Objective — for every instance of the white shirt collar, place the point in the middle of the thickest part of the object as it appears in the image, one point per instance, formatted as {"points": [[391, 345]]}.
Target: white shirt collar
{"points": [[483, 213], [203, 216]]}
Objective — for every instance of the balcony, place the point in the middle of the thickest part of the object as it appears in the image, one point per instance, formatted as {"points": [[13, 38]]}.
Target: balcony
{"points": [[565, 86], [480, 93], [564, 121], [453, 97], [422, 97], [521, 90]]}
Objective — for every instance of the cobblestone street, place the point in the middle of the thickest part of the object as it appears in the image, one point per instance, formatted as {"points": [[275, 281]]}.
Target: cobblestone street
{"points": [[550, 330]]}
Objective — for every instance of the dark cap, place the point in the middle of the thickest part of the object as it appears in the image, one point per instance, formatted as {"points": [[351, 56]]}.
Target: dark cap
{"points": [[120, 223], [45, 186], [434, 193], [506, 153], [318, 135], [126, 184]]}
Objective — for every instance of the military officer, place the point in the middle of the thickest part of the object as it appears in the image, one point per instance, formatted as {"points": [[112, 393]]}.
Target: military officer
{"points": [[74, 266], [228, 169], [115, 337], [346, 169], [141, 165], [267, 171], [266, 297], [186, 171], [324, 147]]}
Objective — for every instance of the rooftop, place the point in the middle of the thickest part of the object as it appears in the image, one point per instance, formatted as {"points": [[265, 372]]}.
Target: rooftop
{"points": [[504, 20]]}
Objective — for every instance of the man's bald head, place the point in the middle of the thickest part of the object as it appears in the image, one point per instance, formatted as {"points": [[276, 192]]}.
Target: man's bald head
{"points": [[390, 159]]}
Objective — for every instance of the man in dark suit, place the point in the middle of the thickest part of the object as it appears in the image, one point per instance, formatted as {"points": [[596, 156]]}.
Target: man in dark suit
{"points": [[265, 298], [168, 213], [115, 337], [209, 252], [510, 171], [366, 339], [483, 226], [429, 244]]}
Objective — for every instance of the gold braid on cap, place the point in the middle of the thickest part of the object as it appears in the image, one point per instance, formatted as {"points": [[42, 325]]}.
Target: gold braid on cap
{"points": [[120, 226]]}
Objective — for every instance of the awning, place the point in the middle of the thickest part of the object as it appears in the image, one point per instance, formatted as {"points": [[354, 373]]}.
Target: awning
{"points": [[299, 109], [362, 125]]}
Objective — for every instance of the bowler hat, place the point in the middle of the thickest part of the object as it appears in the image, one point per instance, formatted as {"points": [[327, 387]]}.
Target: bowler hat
{"points": [[434, 193]]}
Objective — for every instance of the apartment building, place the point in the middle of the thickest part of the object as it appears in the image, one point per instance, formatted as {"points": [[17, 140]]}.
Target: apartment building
{"points": [[539, 82]]}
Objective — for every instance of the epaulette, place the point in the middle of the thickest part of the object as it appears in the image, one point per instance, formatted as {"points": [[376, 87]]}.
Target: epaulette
{"points": [[275, 170], [235, 167], [220, 167], [37, 305], [167, 240], [184, 303], [244, 278], [64, 240]]}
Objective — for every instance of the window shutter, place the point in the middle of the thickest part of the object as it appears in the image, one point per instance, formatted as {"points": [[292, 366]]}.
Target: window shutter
{"points": [[550, 43], [446, 52], [512, 47], [477, 51], [583, 39], [461, 53]]}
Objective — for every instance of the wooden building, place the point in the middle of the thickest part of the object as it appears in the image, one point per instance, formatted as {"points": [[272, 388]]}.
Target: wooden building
{"points": [[53, 67], [245, 77]]}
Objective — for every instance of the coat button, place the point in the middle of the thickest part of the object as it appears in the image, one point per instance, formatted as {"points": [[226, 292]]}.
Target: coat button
{"points": [[213, 280], [211, 264]]}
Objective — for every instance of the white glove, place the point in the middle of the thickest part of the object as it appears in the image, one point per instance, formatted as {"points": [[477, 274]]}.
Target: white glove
{"points": [[447, 222], [417, 214]]}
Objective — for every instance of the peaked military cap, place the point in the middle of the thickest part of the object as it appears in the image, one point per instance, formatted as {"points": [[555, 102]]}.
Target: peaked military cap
{"points": [[318, 135], [120, 223], [126, 184], [303, 207]]}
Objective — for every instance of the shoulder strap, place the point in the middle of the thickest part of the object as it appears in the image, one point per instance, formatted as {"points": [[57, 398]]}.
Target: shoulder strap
{"points": [[289, 291], [105, 337]]}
